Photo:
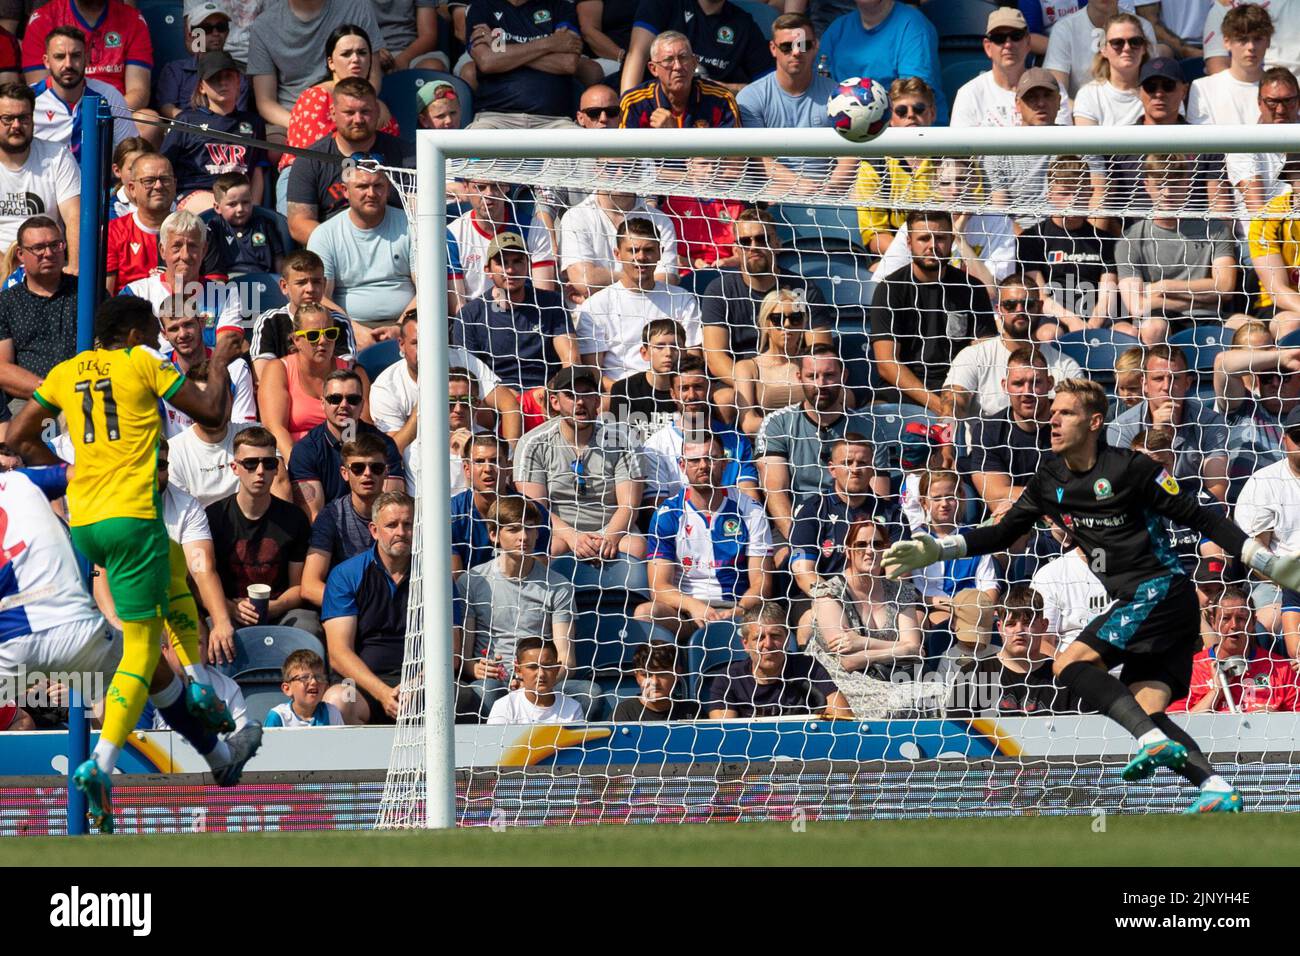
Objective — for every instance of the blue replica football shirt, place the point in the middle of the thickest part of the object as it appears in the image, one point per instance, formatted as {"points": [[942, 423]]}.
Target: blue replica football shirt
{"points": [[712, 550]]}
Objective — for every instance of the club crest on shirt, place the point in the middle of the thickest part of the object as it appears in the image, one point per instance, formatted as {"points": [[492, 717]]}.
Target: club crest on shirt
{"points": [[1167, 481], [726, 35], [541, 16], [112, 40], [245, 129], [828, 547], [731, 527], [1261, 680], [257, 239], [1103, 490]]}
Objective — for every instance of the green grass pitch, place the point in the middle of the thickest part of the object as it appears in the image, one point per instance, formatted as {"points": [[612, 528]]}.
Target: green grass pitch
{"points": [[1015, 841]]}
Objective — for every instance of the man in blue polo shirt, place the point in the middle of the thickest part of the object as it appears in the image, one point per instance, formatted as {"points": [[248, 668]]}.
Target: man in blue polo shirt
{"points": [[676, 98], [364, 615], [488, 480], [691, 391], [710, 547], [821, 522], [316, 463], [521, 332], [730, 45], [527, 53], [885, 39]]}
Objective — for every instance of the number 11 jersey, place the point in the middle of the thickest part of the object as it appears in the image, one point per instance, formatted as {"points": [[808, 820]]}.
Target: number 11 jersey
{"points": [[110, 398]]}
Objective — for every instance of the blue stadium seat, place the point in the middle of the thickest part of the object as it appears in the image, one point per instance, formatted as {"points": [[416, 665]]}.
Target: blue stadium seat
{"points": [[261, 650], [710, 648], [1096, 350], [1193, 68], [398, 93], [959, 23], [1201, 344], [375, 358], [166, 32], [697, 280], [818, 228], [258, 291], [842, 278], [622, 574], [888, 422], [260, 697], [1290, 341], [763, 14], [855, 352], [957, 67], [604, 641]]}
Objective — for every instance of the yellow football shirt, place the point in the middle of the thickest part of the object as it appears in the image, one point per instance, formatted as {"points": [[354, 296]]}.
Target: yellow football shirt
{"points": [[1272, 232], [110, 398], [882, 198]]}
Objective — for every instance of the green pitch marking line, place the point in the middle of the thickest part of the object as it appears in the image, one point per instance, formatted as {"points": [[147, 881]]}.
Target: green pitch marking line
{"points": [[1015, 841]]}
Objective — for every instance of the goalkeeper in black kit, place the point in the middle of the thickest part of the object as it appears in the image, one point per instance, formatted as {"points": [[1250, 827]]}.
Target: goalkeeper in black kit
{"points": [[1111, 501]]}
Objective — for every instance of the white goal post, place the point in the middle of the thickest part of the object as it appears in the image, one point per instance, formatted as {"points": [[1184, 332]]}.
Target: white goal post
{"points": [[441, 153]]}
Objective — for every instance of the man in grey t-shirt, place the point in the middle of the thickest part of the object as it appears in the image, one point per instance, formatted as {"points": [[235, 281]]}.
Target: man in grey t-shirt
{"points": [[1200, 434], [1173, 271], [286, 50], [586, 473], [507, 599]]}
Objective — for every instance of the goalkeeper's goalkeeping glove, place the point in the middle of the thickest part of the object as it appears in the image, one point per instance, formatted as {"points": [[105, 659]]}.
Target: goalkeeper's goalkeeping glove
{"points": [[922, 550], [1284, 569]]}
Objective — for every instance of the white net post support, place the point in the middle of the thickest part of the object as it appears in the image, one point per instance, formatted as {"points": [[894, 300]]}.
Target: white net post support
{"points": [[422, 774]]}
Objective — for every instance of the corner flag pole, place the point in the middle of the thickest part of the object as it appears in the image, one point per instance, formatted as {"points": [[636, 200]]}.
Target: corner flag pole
{"points": [[95, 117]]}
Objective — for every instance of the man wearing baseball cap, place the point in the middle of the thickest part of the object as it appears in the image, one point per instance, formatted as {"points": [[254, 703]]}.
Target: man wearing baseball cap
{"points": [[178, 79], [990, 98], [1022, 180], [521, 332], [438, 106]]}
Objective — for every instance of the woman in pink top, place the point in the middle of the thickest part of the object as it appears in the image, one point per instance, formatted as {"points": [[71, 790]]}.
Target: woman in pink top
{"points": [[289, 391], [347, 53]]}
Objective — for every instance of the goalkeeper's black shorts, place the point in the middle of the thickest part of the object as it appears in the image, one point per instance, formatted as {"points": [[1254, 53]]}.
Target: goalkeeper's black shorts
{"points": [[1154, 634]]}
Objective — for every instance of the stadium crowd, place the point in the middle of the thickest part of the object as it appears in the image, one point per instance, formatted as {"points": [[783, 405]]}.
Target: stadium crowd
{"points": [[677, 452]]}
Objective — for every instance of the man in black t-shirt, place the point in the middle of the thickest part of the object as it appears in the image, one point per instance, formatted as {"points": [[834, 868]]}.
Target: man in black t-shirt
{"points": [[730, 45], [923, 314], [261, 539], [644, 400], [1070, 260], [769, 682], [316, 189], [730, 305]]}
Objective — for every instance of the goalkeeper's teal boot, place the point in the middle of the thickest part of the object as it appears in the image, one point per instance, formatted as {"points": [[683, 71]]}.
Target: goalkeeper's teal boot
{"points": [[204, 703], [1216, 801], [1162, 753], [94, 783]]}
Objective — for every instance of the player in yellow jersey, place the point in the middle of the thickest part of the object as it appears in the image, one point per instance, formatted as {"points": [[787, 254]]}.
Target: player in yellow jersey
{"points": [[109, 396]]}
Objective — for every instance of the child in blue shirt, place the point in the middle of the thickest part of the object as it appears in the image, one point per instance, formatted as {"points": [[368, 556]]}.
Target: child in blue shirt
{"points": [[304, 684]]}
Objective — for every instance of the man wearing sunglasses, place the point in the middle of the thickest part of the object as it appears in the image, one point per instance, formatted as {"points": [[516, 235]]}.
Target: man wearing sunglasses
{"points": [[342, 529], [1077, 37], [178, 79], [366, 251], [1257, 177], [794, 96], [316, 466], [990, 98]]}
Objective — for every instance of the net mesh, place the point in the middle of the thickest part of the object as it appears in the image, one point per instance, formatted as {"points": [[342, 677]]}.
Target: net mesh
{"points": [[1089, 259]]}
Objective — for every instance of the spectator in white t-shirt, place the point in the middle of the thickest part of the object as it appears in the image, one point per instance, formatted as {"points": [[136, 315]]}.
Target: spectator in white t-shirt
{"points": [[610, 322], [1077, 39], [36, 177], [1257, 177], [990, 98], [537, 667], [1283, 51], [493, 211], [201, 456], [1268, 508], [977, 372], [1072, 593], [1231, 97], [589, 239], [1111, 99]]}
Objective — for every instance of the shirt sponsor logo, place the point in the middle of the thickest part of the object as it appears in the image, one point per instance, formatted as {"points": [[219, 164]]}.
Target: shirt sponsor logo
{"points": [[1167, 481], [1102, 489], [1098, 521]]}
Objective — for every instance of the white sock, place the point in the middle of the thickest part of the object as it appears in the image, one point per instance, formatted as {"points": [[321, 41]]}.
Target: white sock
{"points": [[168, 695], [1152, 737], [219, 757], [106, 755], [1216, 784], [197, 673]]}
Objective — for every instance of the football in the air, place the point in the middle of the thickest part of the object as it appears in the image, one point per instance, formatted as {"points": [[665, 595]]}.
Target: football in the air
{"points": [[859, 110]]}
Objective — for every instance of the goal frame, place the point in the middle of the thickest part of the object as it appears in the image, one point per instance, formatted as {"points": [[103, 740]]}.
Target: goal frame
{"points": [[434, 148]]}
